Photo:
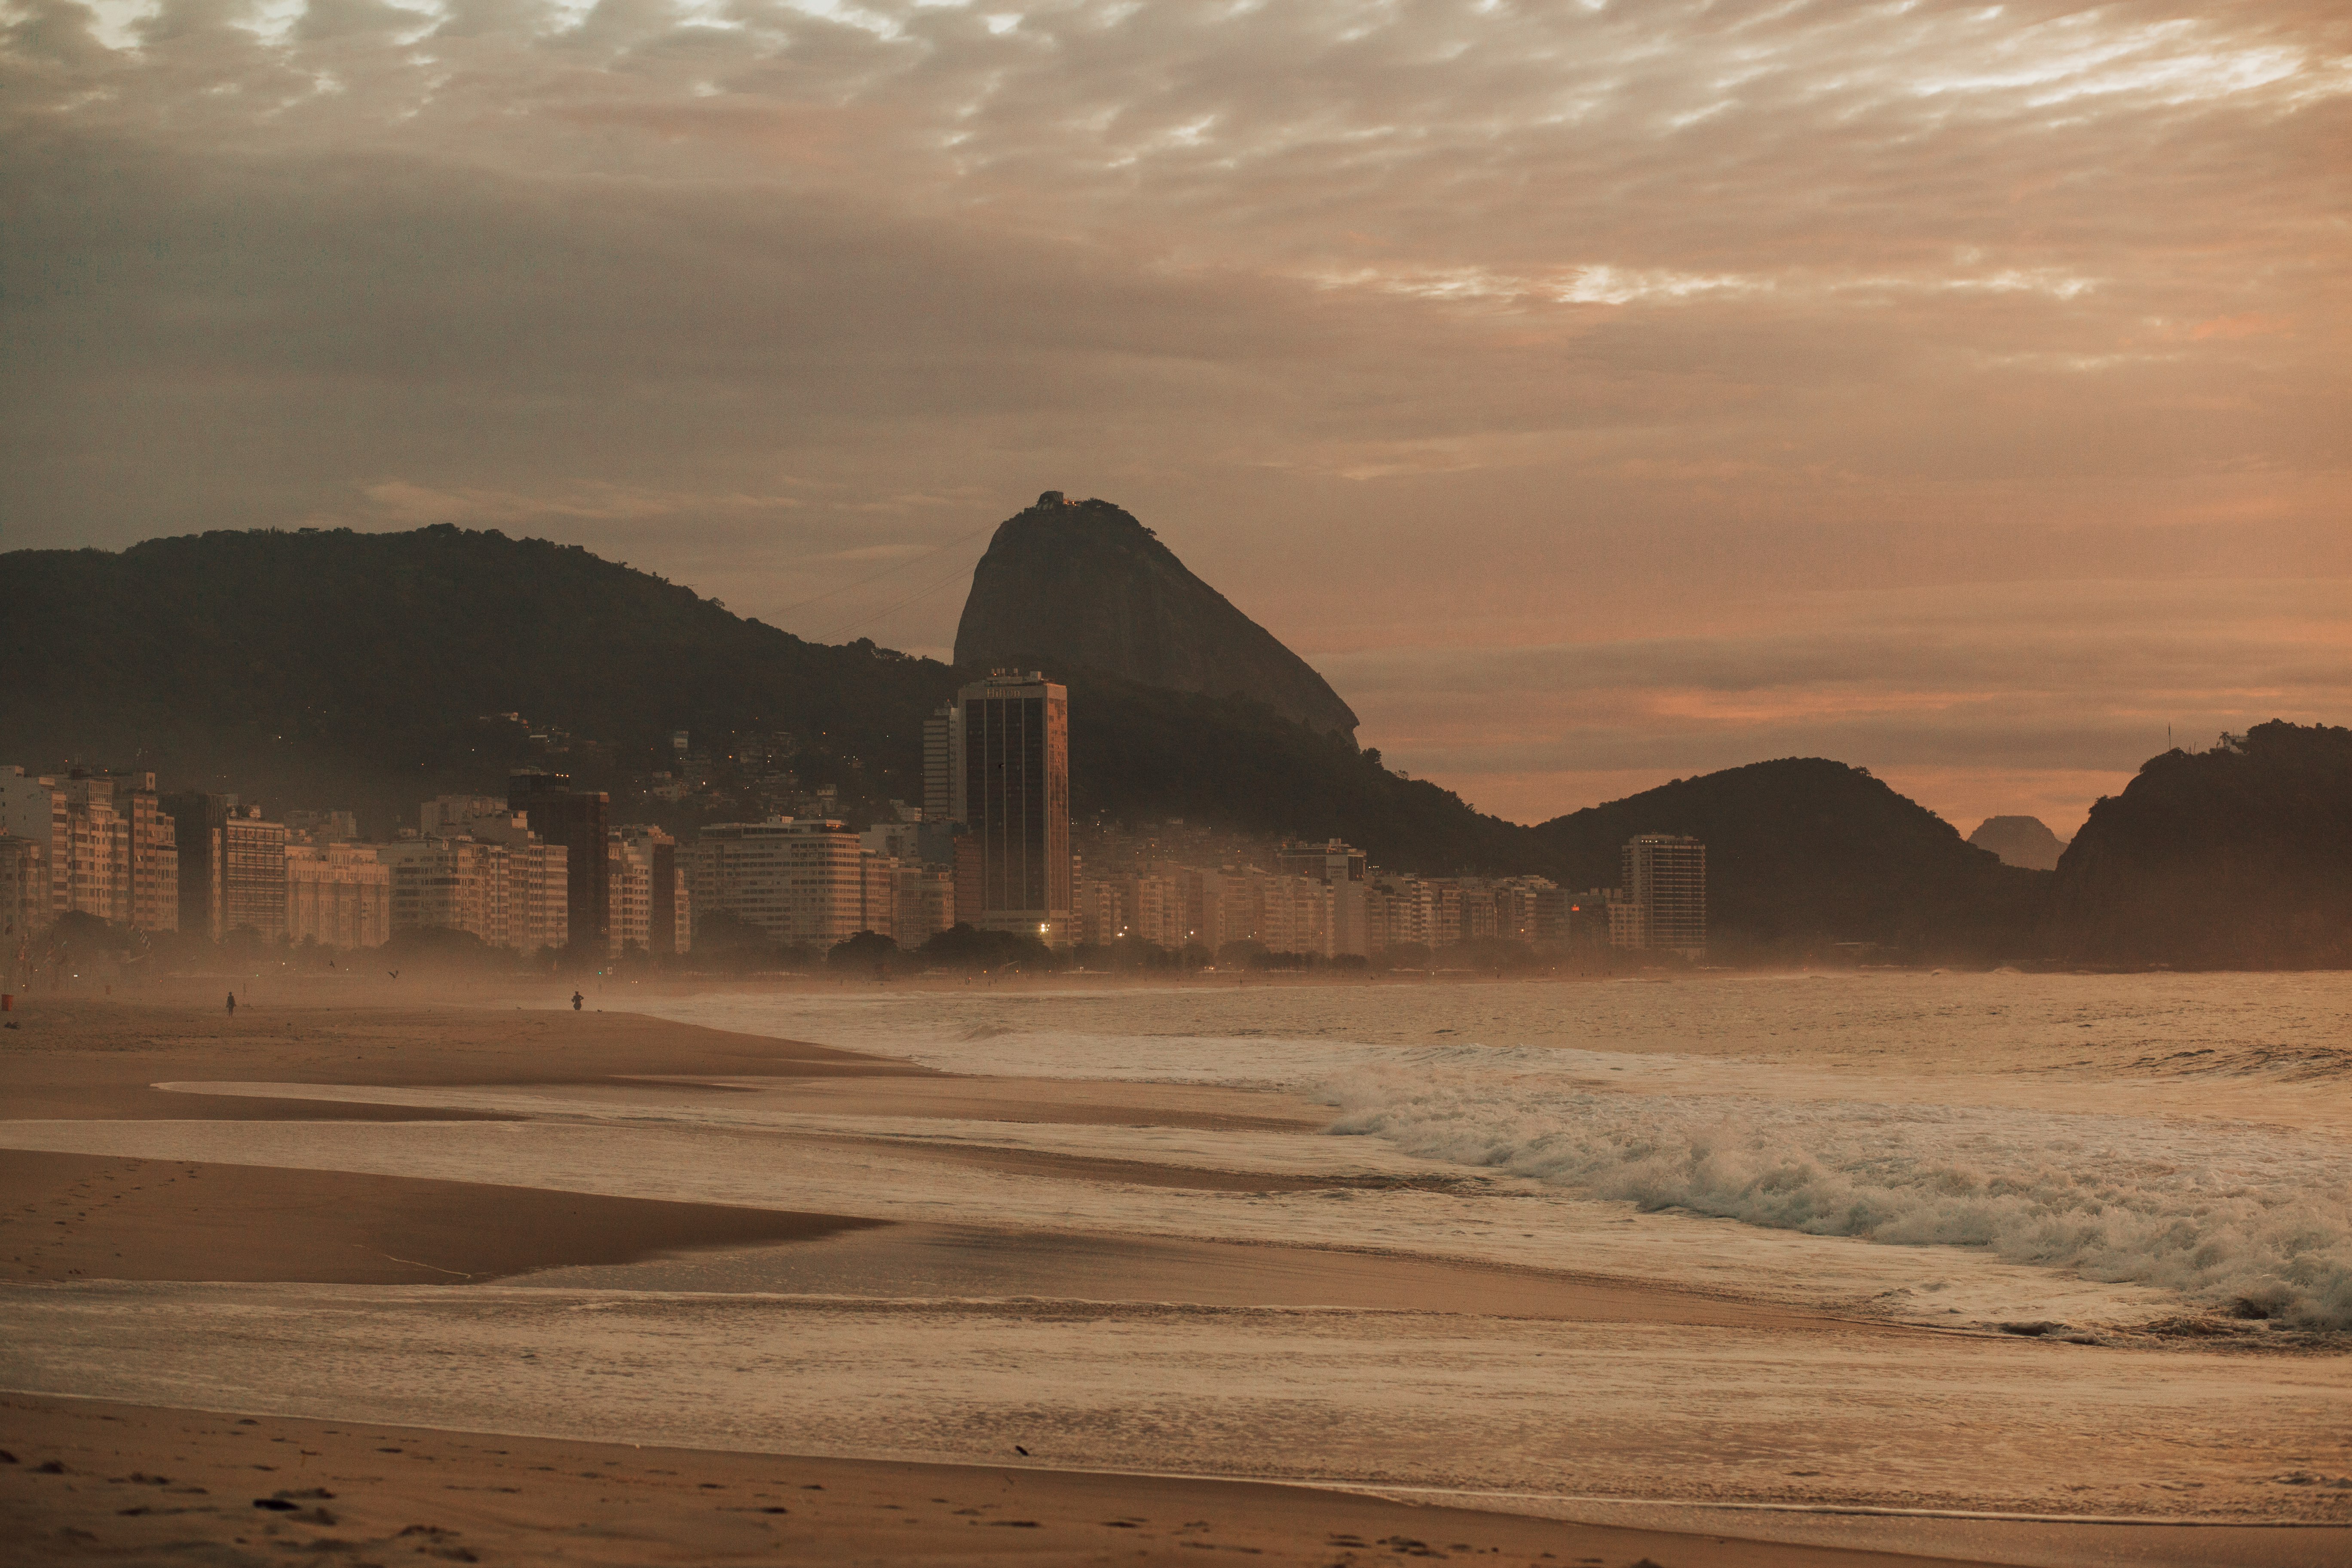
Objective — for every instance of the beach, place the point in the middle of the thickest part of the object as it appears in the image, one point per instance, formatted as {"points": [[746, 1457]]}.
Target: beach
{"points": [[1308, 1266]]}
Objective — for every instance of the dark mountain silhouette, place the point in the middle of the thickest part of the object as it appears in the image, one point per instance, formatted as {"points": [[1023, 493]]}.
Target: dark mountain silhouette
{"points": [[2238, 857], [1803, 852], [2025, 841], [1067, 585], [368, 670], [360, 668]]}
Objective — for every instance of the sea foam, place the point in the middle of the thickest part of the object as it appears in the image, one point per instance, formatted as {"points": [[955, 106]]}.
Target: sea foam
{"points": [[2232, 1215]]}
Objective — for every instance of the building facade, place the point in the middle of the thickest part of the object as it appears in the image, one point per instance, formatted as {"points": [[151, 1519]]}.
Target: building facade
{"points": [[926, 902], [253, 875], [507, 894], [26, 897], [198, 820], [1341, 869], [33, 808], [943, 765], [652, 907], [799, 880], [1665, 895], [1015, 744], [112, 850], [574, 819], [338, 895]]}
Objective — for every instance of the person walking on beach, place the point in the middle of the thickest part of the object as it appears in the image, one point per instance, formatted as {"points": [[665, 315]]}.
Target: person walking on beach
{"points": [[576, 1001], [232, 1003]]}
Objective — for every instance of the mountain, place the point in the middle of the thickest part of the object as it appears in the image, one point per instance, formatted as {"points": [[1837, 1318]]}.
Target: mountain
{"points": [[374, 670], [1083, 584], [2238, 857], [324, 667], [2020, 841], [1803, 852], [1142, 753]]}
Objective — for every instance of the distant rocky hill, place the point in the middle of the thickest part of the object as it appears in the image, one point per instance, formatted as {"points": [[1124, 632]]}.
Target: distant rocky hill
{"points": [[327, 667], [2238, 857], [1804, 853], [2025, 841], [1083, 584], [371, 670]]}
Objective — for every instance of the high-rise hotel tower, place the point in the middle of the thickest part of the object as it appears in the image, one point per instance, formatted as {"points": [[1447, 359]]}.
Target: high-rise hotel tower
{"points": [[1666, 893], [1011, 740]]}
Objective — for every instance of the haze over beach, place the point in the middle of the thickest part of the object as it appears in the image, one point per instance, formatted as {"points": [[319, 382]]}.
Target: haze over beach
{"points": [[1643, 858]]}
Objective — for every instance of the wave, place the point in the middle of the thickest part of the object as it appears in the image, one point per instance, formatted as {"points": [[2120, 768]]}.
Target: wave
{"points": [[2252, 1219]]}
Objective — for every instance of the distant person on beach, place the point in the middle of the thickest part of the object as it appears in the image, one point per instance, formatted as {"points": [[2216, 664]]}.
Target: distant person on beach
{"points": [[232, 1003], [576, 1001]]}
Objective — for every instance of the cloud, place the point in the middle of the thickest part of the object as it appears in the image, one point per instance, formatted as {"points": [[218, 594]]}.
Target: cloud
{"points": [[1437, 333]]}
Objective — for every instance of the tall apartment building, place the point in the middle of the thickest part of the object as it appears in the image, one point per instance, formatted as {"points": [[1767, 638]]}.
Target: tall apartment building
{"points": [[338, 895], [253, 875], [1341, 869], [512, 895], [198, 821], [231, 866], [573, 818], [878, 905], [652, 909], [1665, 895], [34, 807], [926, 902], [1015, 734], [943, 765], [25, 896], [121, 855], [800, 881]]}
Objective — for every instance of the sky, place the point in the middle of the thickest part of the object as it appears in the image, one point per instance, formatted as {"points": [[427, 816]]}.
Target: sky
{"points": [[1596, 393]]}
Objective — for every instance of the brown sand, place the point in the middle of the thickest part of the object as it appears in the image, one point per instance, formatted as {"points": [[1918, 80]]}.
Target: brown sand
{"points": [[133, 1483], [90, 1059], [83, 1217], [466, 1498], [1131, 1172], [930, 1260], [89, 1216], [87, 1059]]}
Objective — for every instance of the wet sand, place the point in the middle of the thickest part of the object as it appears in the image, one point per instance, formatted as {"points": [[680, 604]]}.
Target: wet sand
{"points": [[906, 1311], [173, 1486], [79, 1216]]}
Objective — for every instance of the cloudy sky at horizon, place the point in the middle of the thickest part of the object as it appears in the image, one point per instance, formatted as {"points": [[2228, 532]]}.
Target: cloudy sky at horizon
{"points": [[1596, 393]]}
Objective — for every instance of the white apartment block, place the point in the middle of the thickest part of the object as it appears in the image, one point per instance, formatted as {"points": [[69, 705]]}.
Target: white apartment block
{"points": [[641, 858], [800, 881], [507, 894], [338, 895]]}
